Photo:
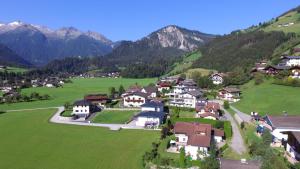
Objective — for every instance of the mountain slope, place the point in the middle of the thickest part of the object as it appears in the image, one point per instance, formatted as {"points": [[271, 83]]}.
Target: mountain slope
{"points": [[167, 43], [40, 45], [9, 58]]}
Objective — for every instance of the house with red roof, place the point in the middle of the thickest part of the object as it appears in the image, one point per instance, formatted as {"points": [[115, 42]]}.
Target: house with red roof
{"points": [[208, 110], [195, 138]]}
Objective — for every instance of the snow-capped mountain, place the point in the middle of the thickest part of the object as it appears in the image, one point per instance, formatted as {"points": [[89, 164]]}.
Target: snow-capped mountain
{"points": [[40, 44]]}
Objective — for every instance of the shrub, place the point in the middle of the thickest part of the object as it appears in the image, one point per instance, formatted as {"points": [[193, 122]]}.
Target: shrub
{"points": [[226, 104]]}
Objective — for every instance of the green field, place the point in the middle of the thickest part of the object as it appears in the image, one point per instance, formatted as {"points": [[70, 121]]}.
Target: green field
{"points": [[29, 141], [14, 69], [113, 116], [74, 91], [185, 64], [204, 72], [269, 98], [287, 18]]}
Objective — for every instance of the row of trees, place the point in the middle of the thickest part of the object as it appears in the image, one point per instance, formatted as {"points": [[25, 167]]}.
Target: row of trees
{"points": [[17, 97], [113, 92]]}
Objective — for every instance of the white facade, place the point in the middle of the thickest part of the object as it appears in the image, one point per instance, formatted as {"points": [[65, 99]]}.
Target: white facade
{"points": [[232, 97], [133, 100], [157, 109], [293, 62], [81, 111], [49, 85], [279, 136], [291, 151], [218, 139], [193, 152], [217, 79], [183, 100], [142, 121]]}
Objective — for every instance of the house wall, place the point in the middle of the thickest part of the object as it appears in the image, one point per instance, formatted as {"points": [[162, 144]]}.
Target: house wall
{"points": [[293, 153], [217, 80], [293, 62], [157, 109], [218, 139], [141, 121], [137, 103], [82, 111], [182, 138], [193, 151], [279, 136]]}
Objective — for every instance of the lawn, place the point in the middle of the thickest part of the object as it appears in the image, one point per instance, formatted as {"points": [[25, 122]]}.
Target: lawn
{"points": [[14, 69], [74, 91], [268, 98], [113, 116], [29, 141]]}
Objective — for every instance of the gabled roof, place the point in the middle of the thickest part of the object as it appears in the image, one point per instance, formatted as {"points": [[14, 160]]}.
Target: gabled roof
{"points": [[195, 93], [152, 104], [145, 95], [150, 89], [82, 103], [231, 89], [150, 114], [285, 121], [199, 141]]}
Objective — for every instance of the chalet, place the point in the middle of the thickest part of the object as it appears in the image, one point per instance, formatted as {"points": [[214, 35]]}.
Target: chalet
{"points": [[260, 66], [230, 94], [195, 138], [135, 99], [280, 124], [208, 110], [217, 78], [153, 106], [82, 108], [295, 72], [186, 99], [150, 118], [291, 60], [98, 99], [293, 145], [161, 86], [150, 90], [273, 70]]}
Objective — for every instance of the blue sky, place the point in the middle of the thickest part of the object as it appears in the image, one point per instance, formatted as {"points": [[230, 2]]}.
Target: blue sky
{"points": [[133, 19]]}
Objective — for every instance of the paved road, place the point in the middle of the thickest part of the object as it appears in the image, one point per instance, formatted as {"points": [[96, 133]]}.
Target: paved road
{"points": [[56, 118], [245, 117], [237, 142]]}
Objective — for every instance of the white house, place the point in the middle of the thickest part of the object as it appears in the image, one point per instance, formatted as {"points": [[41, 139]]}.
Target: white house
{"points": [[291, 60], [279, 125], [293, 145], [217, 78], [135, 99], [185, 99], [195, 138], [150, 90], [150, 118], [153, 106], [82, 108], [230, 94]]}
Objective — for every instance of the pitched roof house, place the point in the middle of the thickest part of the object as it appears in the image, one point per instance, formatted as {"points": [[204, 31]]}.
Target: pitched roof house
{"points": [[208, 110], [100, 99], [195, 137], [135, 99], [231, 94], [280, 124], [150, 118], [82, 108]]}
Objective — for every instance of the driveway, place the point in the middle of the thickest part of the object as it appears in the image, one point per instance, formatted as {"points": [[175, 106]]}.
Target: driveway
{"points": [[237, 141], [245, 117]]}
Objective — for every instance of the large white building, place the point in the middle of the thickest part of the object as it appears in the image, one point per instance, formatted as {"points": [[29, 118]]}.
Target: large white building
{"points": [[279, 125], [82, 108], [196, 138], [185, 94], [150, 118], [291, 60], [135, 99]]}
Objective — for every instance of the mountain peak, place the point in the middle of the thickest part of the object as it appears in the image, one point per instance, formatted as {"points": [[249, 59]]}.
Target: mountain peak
{"points": [[15, 23]]}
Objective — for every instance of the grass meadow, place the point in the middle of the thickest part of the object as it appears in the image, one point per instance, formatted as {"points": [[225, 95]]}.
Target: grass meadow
{"points": [[74, 91], [29, 141], [113, 116], [268, 98]]}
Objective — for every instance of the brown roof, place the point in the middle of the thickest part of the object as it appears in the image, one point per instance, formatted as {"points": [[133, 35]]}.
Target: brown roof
{"points": [[96, 97], [236, 164], [134, 88], [199, 140], [296, 135], [285, 121], [199, 134], [231, 89], [218, 132]]}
